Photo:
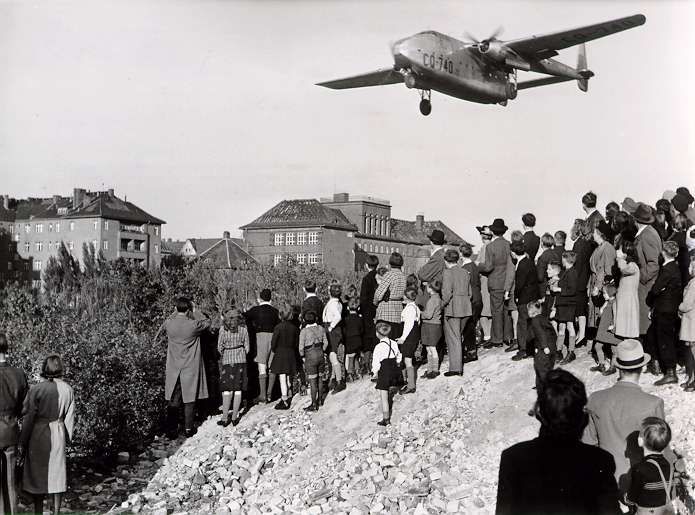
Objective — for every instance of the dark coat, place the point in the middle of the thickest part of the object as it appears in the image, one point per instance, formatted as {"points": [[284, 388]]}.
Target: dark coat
{"points": [[594, 219], [367, 290], [583, 249], [476, 292], [285, 347], [314, 304], [434, 268], [531, 244], [497, 264], [542, 268], [262, 318], [683, 258], [526, 282], [552, 476], [568, 288], [667, 292], [541, 330]]}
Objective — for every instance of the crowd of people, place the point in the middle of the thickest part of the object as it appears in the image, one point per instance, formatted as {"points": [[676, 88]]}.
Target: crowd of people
{"points": [[36, 426], [624, 289]]}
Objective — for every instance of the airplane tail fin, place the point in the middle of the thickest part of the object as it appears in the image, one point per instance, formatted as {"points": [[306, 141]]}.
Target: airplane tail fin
{"points": [[586, 74]]}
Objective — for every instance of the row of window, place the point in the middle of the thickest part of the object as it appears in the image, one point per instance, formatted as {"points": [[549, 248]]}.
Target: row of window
{"points": [[289, 238], [51, 227], [55, 245], [302, 259], [382, 249]]}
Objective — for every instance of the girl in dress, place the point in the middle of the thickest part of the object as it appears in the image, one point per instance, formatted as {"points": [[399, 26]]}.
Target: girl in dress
{"points": [[432, 327], [285, 347], [233, 346], [48, 424], [386, 361], [566, 306], [409, 340], [627, 313]]}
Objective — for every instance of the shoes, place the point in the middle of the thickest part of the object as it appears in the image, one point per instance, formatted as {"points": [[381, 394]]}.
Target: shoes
{"points": [[512, 347], [260, 400], [598, 368], [429, 375], [498, 344], [558, 356], [373, 379], [450, 374], [470, 358], [580, 343], [282, 405], [670, 377], [312, 407], [385, 422], [224, 423], [609, 371], [519, 356], [235, 421], [172, 435], [189, 432], [405, 390], [571, 356], [690, 387], [488, 345], [688, 381], [339, 387]]}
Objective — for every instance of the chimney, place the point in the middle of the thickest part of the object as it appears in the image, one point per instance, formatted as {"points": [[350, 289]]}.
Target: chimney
{"points": [[77, 197], [420, 222], [225, 235], [341, 197], [6, 201], [111, 192]]}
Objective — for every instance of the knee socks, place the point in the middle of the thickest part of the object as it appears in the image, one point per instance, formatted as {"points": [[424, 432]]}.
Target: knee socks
{"points": [[338, 372], [271, 384], [572, 341], [188, 412], [560, 341], [433, 359], [263, 381], [410, 372], [236, 406], [226, 402]]}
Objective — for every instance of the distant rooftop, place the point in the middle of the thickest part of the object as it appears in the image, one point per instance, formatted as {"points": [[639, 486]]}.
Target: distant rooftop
{"points": [[301, 213], [347, 197]]}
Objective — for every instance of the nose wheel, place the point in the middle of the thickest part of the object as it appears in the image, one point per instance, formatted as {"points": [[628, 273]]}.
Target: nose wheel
{"points": [[425, 102]]}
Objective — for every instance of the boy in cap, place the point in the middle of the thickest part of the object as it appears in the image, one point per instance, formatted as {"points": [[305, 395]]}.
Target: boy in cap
{"points": [[664, 299]]}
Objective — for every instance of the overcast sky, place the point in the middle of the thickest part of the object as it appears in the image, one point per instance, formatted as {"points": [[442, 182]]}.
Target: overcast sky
{"points": [[205, 114]]}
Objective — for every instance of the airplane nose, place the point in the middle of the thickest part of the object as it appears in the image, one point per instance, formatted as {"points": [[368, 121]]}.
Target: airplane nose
{"points": [[398, 52]]}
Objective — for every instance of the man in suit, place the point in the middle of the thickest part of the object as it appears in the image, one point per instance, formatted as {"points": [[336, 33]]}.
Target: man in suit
{"points": [[615, 414], [560, 238], [556, 473], [531, 239], [456, 304], [664, 298], [593, 215], [311, 302], [185, 380], [434, 268], [261, 320], [469, 336], [648, 247], [525, 291], [368, 311], [497, 267]]}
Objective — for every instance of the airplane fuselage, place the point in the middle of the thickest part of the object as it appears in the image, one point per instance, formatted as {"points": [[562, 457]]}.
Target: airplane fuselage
{"points": [[438, 62]]}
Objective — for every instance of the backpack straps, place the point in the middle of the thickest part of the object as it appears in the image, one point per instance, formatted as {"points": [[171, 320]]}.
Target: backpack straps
{"points": [[667, 486]]}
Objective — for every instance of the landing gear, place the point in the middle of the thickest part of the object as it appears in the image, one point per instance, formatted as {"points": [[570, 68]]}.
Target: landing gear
{"points": [[425, 103]]}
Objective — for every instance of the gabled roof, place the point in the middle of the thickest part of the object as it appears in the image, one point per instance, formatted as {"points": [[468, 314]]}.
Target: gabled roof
{"points": [[301, 213], [408, 231], [225, 253], [201, 245], [173, 247]]}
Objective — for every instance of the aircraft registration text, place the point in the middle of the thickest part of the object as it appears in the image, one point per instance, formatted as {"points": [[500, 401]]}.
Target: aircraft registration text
{"points": [[438, 62]]}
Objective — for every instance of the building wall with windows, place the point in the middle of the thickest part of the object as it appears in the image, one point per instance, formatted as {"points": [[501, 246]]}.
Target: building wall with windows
{"points": [[12, 267]]}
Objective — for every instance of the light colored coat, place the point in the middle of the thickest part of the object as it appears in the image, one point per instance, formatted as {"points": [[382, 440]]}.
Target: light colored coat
{"points": [[456, 292], [497, 265], [615, 417], [184, 359], [687, 311]]}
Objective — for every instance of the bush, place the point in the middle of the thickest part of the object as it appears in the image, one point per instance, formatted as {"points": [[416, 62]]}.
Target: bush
{"points": [[103, 321]]}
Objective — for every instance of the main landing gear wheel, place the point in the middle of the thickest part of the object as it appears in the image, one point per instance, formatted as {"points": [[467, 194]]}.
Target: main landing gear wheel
{"points": [[425, 103]]}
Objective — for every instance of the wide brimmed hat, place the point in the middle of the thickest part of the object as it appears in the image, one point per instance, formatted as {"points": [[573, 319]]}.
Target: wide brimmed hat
{"points": [[437, 237], [629, 205], [484, 230], [643, 214], [498, 225], [631, 355], [668, 195]]}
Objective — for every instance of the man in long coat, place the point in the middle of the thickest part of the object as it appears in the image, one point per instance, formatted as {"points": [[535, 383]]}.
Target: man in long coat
{"points": [[434, 268], [648, 247], [185, 373]]}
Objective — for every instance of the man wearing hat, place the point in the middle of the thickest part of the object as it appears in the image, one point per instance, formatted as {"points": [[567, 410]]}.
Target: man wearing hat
{"points": [[616, 413], [434, 268], [499, 270], [681, 203], [648, 247]]}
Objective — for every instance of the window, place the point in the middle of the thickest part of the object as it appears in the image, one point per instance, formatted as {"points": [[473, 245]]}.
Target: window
{"points": [[11, 229], [95, 245], [57, 226], [37, 265], [96, 225], [301, 238], [71, 245], [277, 258], [289, 238], [156, 230], [371, 248], [50, 227], [106, 225], [313, 238], [313, 259], [27, 228], [39, 246], [279, 240], [39, 227], [36, 284], [72, 226], [50, 245], [105, 245], [301, 259], [156, 248], [27, 247]]}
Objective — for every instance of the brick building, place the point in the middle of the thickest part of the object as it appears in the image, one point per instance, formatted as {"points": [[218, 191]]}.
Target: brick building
{"points": [[339, 233], [116, 227]]}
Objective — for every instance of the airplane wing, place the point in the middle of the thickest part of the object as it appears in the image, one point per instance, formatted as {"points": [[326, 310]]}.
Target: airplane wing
{"points": [[543, 46], [541, 82], [377, 78]]}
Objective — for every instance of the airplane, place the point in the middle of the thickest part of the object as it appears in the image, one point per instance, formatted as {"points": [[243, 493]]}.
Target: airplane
{"points": [[484, 71]]}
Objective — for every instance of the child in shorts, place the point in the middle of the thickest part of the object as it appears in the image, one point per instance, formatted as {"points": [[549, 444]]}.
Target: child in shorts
{"points": [[313, 343], [386, 361]]}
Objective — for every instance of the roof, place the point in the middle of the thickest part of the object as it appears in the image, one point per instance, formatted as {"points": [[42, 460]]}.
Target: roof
{"points": [[173, 247], [407, 231], [99, 204], [226, 253], [301, 213], [6, 215], [201, 245]]}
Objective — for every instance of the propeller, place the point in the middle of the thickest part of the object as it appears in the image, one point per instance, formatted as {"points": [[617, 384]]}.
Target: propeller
{"points": [[484, 45]]}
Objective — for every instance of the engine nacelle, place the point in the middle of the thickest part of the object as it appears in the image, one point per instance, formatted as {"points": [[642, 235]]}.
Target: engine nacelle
{"points": [[493, 50], [511, 90], [411, 81]]}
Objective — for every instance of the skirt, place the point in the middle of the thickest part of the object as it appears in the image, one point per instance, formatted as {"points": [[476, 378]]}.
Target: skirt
{"points": [[565, 313], [430, 334], [234, 378], [409, 346], [284, 362]]}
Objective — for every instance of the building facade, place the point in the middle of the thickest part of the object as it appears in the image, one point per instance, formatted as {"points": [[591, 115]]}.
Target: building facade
{"points": [[339, 233], [115, 227], [13, 269]]}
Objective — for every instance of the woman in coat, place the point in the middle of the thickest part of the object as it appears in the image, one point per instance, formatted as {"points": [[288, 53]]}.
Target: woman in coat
{"points": [[601, 264], [285, 345], [388, 297], [627, 299], [581, 234], [48, 424]]}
